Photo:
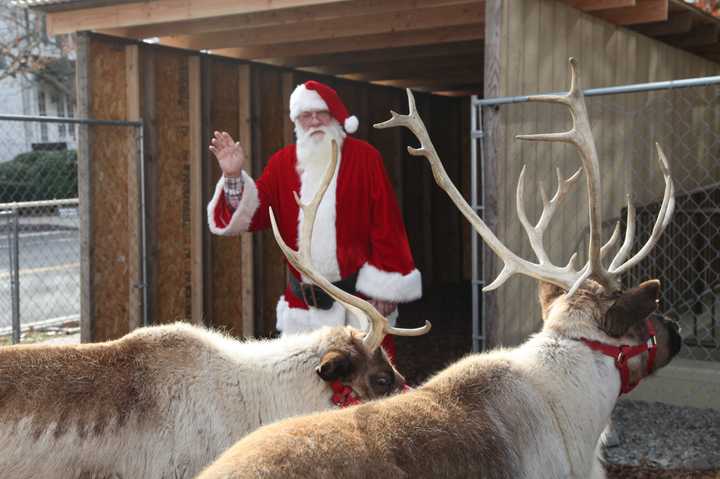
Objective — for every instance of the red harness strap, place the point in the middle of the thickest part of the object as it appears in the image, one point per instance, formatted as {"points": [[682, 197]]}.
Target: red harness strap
{"points": [[344, 396], [622, 353]]}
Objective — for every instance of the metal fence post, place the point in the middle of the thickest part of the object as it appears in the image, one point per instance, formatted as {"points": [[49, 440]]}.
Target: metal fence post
{"points": [[15, 276]]}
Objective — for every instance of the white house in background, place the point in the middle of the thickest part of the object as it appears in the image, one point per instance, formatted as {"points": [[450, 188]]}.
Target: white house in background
{"points": [[20, 95]]}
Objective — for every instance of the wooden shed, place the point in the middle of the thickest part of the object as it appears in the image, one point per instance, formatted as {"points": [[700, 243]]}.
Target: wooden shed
{"points": [[188, 67]]}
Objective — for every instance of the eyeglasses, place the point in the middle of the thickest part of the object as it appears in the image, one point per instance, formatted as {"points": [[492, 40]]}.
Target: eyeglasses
{"points": [[322, 116]]}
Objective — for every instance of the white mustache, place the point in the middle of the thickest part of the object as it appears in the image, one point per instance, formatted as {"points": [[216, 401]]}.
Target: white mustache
{"points": [[315, 130]]}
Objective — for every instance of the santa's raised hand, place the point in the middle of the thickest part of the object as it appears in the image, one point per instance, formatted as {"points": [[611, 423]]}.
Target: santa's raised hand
{"points": [[229, 153]]}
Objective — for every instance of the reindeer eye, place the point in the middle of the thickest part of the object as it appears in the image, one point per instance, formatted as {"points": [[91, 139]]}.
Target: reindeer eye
{"points": [[383, 381]]}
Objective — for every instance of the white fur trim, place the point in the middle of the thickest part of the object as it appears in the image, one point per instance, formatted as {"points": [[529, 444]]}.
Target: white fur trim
{"points": [[295, 320], [389, 286], [240, 221], [298, 320], [302, 99], [351, 124]]}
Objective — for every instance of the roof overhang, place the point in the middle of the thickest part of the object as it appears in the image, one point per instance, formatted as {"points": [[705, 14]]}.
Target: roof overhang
{"points": [[432, 45]]}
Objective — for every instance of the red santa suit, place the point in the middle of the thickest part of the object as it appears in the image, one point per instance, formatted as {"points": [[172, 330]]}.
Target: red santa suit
{"points": [[358, 229]]}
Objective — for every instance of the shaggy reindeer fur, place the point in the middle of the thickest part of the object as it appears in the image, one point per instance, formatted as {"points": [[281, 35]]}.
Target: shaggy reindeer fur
{"points": [[535, 411], [164, 401]]}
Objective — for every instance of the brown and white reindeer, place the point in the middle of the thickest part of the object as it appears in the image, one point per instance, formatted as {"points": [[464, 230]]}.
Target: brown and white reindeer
{"points": [[534, 411], [165, 401]]}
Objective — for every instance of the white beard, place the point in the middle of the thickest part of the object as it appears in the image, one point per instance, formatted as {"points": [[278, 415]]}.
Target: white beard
{"points": [[313, 156]]}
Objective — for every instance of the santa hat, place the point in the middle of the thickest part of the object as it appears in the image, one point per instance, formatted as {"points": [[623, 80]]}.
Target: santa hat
{"points": [[313, 95]]}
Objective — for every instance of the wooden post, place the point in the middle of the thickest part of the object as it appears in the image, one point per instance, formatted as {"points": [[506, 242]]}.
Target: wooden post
{"points": [[197, 216], [493, 129], [87, 304], [150, 149], [246, 246], [132, 75], [207, 188]]}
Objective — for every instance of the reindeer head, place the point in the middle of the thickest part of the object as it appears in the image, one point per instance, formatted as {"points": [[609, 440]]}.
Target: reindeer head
{"points": [[622, 319], [367, 371], [586, 303]]}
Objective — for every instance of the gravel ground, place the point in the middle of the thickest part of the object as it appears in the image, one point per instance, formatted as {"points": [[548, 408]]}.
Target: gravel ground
{"points": [[663, 441]]}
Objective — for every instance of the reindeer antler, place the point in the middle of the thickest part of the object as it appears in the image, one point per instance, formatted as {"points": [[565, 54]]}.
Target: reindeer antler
{"points": [[302, 261], [580, 135]]}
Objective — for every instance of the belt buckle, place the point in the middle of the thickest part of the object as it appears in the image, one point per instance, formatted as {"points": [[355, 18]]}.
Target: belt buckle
{"points": [[305, 295]]}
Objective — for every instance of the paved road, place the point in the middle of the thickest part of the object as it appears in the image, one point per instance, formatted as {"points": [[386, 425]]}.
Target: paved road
{"points": [[49, 275]]}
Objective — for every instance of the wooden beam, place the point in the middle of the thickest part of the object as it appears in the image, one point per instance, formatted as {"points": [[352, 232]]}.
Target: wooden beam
{"points": [[333, 30], [380, 55], [358, 43], [132, 78], [677, 23], [289, 17], [446, 82], [162, 11], [646, 11], [702, 35], [473, 72], [402, 64], [459, 93], [593, 5], [197, 216]]}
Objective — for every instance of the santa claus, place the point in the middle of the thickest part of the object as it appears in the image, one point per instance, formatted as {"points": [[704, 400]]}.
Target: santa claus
{"points": [[359, 240]]}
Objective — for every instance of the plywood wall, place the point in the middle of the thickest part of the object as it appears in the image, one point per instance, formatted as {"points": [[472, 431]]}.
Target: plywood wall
{"points": [[535, 39]]}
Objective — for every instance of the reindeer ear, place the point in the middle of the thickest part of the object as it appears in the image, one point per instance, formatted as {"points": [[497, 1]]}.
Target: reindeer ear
{"points": [[334, 365], [632, 306], [547, 293]]}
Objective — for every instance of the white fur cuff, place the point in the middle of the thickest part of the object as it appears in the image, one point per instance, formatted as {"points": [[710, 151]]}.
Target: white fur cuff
{"points": [[240, 220], [389, 286], [297, 320]]}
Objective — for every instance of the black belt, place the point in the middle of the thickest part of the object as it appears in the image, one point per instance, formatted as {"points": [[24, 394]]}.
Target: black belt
{"points": [[316, 297]]}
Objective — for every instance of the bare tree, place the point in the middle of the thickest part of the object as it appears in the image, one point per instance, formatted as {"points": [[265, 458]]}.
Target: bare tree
{"points": [[27, 51]]}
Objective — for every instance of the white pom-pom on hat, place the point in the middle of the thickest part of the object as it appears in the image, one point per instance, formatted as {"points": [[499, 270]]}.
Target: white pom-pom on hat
{"points": [[351, 124]]}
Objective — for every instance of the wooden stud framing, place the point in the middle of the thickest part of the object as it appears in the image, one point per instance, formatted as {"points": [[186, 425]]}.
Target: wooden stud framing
{"points": [[85, 190], [247, 246], [132, 76], [197, 213]]}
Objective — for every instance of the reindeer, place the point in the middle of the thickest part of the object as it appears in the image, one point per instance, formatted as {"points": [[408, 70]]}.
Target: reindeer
{"points": [[534, 411], [164, 401]]}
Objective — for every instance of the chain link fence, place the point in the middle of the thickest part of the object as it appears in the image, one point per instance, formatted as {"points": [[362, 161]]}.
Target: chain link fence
{"points": [[40, 229], [626, 123]]}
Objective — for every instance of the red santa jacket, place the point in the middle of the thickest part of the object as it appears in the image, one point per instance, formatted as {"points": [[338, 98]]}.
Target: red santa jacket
{"points": [[370, 234]]}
